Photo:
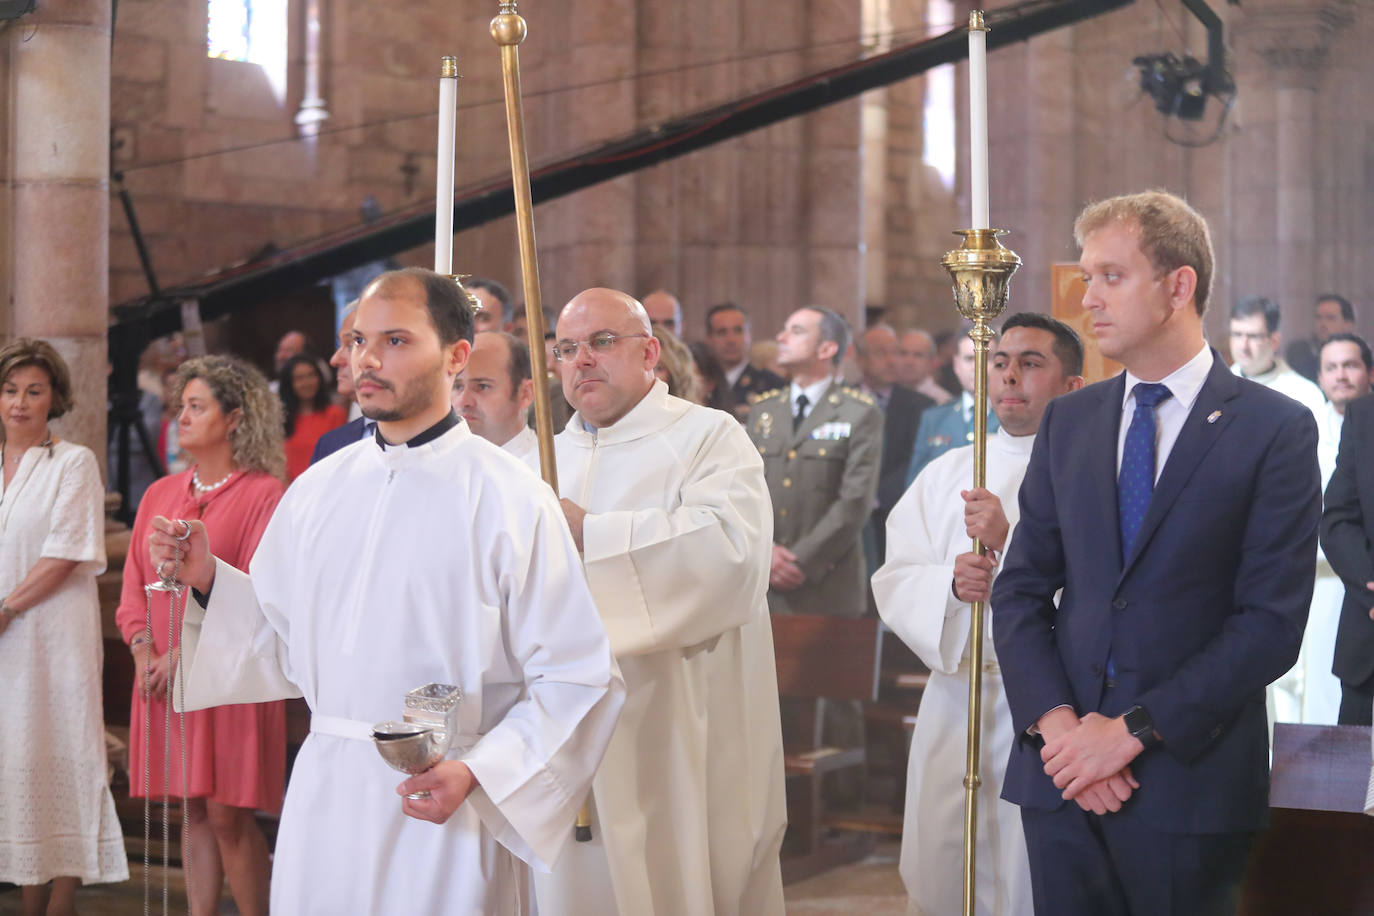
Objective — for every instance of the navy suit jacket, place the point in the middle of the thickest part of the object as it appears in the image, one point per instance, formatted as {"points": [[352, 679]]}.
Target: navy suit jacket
{"points": [[1347, 536], [901, 419], [1207, 610], [337, 438]]}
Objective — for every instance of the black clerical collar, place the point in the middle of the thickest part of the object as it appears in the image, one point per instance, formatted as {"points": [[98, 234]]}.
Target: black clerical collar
{"points": [[449, 421]]}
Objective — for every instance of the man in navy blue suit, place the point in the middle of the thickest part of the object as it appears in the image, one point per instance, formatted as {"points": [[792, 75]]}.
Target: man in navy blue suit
{"points": [[1176, 505], [359, 427]]}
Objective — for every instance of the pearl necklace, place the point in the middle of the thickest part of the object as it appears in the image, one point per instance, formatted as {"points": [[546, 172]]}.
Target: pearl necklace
{"points": [[207, 487]]}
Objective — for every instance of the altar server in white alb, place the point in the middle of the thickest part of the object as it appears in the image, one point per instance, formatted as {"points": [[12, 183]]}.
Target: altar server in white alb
{"points": [[423, 555], [667, 501], [923, 593]]}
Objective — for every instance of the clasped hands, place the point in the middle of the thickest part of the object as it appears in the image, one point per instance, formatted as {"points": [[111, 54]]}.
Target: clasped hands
{"points": [[152, 672], [1089, 758], [784, 572]]}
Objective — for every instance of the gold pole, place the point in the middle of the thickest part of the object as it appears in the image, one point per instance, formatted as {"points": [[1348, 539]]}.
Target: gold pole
{"points": [[508, 28], [981, 270]]}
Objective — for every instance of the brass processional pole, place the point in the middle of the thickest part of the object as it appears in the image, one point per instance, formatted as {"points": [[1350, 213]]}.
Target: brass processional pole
{"points": [[981, 270], [508, 29]]}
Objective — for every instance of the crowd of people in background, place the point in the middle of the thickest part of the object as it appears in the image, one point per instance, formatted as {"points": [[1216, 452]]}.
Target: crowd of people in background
{"points": [[853, 432]]}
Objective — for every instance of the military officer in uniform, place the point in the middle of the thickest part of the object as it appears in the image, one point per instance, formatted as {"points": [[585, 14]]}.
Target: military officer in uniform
{"points": [[821, 444], [728, 335], [950, 425]]}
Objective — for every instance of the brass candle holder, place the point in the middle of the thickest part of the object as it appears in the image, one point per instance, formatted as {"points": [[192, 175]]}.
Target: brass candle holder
{"points": [[981, 269]]}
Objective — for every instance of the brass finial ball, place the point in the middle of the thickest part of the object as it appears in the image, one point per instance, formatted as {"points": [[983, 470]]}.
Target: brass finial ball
{"points": [[508, 28]]}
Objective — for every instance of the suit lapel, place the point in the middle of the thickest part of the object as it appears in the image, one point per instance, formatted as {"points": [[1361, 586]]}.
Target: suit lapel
{"points": [[1108, 423], [1198, 435]]}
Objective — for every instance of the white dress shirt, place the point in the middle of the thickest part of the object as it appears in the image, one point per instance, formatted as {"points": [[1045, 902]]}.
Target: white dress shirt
{"points": [[1183, 383], [813, 393]]}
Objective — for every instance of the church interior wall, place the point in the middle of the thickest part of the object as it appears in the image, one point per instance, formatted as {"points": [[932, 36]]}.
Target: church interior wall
{"points": [[839, 207]]}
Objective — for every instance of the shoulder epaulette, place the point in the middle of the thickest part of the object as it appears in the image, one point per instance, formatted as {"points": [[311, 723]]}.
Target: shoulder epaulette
{"points": [[858, 395], [764, 395]]}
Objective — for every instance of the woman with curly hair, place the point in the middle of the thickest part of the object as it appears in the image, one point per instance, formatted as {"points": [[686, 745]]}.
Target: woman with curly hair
{"points": [[230, 425], [675, 366], [58, 826], [309, 413]]}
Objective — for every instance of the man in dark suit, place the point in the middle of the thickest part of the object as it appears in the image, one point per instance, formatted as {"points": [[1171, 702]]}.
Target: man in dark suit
{"points": [[1176, 505], [359, 427], [877, 351], [1332, 314], [729, 337], [1347, 533]]}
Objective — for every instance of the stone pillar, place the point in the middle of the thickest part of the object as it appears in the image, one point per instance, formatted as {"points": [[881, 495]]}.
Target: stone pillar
{"points": [[833, 176], [1292, 43], [58, 221]]}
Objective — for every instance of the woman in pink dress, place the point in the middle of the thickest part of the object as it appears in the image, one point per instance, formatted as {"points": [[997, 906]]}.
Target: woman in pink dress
{"points": [[309, 413], [229, 424]]}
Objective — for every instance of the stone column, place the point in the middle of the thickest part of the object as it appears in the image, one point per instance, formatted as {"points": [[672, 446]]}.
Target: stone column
{"points": [[833, 163], [58, 221], [1292, 43]]}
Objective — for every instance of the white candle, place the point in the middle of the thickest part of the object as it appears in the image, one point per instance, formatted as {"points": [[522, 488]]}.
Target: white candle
{"points": [[443, 166], [978, 119]]}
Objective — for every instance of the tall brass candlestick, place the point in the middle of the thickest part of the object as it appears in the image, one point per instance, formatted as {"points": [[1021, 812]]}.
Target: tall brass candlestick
{"points": [[508, 28], [981, 270]]}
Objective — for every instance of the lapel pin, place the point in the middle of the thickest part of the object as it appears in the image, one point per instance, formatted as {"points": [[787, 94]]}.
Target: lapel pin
{"points": [[1213, 416]]}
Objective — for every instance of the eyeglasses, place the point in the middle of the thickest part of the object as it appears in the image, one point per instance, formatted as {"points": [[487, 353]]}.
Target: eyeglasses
{"points": [[565, 351]]}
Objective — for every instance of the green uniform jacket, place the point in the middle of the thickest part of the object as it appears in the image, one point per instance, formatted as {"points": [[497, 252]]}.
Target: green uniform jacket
{"points": [[823, 480]]}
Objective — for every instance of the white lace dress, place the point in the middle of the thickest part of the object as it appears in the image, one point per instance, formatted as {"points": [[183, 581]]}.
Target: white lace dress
{"points": [[57, 817]]}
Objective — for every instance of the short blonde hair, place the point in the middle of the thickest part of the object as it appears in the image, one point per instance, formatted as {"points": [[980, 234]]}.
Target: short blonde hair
{"points": [[674, 357], [256, 442], [31, 351], [1172, 233]]}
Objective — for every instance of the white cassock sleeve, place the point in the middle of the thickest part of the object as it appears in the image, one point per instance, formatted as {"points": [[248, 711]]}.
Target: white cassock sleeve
{"points": [[229, 652], [535, 766], [914, 588], [671, 578]]}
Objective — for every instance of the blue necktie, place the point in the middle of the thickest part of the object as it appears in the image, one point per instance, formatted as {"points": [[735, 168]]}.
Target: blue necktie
{"points": [[1137, 479]]}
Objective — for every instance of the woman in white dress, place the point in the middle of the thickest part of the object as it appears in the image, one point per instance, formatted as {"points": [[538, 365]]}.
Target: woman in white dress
{"points": [[57, 817]]}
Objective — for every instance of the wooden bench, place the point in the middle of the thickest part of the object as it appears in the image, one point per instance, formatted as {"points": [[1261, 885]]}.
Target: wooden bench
{"points": [[821, 658], [1318, 854]]}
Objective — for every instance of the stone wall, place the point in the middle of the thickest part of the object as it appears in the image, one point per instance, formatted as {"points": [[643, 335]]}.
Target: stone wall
{"points": [[1287, 189], [838, 207], [217, 170]]}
